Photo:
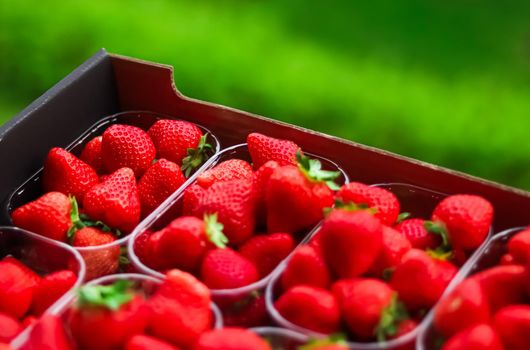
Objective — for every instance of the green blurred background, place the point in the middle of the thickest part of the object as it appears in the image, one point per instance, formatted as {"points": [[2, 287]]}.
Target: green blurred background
{"points": [[443, 81]]}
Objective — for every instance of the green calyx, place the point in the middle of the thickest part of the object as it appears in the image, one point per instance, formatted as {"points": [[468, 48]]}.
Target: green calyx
{"points": [[214, 231], [111, 297], [196, 156], [351, 206], [444, 251], [402, 217], [334, 339], [312, 169], [390, 318]]}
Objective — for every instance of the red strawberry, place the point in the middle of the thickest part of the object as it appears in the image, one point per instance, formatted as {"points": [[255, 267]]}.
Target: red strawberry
{"points": [[115, 201], [64, 172], [159, 181], [9, 328], [180, 309], [113, 312], [465, 306], [350, 241], [420, 280], [249, 312], [306, 266], [267, 251], [192, 200], [144, 250], [48, 216], [50, 289], [419, 237], [232, 169], [231, 339], [261, 182], [310, 307], [234, 203], [510, 277], [467, 219], [29, 321], [4, 346], [263, 148], [127, 146], [519, 246], [296, 196], [180, 142], [92, 154], [183, 243], [507, 259], [145, 342], [405, 327], [30, 275], [385, 202], [99, 262], [48, 334], [226, 269], [479, 337], [395, 245], [513, 326], [16, 288]]}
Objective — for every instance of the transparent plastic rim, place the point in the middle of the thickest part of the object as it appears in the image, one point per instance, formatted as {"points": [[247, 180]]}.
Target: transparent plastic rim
{"points": [[148, 221], [88, 133], [280, 332]]}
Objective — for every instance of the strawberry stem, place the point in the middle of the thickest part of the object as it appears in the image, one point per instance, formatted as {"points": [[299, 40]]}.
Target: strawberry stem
{"points": [[444, 251], [402, 217], [312, 169], [391, 316], [112, 296], [352, 206], [196, 156], [214, 231]]}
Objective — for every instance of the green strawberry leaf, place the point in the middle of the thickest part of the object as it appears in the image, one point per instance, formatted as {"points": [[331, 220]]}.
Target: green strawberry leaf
{"points": [[334, 339], [110, 296], [77, 223], [196, 156], [312, 169], [390, 318], [351, 206], [214, 231], [402, 217], [444, 251]]}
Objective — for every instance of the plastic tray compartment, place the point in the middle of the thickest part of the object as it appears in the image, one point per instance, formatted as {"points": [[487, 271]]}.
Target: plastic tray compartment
{"points": [[418, 201], [147, 284], [487, 256], [281, 338], [31, 189], [173, 210]]}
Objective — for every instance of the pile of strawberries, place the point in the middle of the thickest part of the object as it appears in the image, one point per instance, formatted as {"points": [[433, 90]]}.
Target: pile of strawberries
{"points": [[491, 309], [119, 178], [25, 295], [239, 221], [371, 276]]}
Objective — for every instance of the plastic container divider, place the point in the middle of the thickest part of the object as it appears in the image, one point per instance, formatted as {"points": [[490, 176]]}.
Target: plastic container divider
{"points": [[281, 338]]}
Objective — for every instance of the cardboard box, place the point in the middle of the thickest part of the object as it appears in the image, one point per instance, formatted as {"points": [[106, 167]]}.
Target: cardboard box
{"points": [[109, 83]]}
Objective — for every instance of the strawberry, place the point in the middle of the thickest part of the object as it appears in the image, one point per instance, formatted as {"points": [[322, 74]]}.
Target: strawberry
{"points": [[64, 172], [333, 342], [297, 195], [9, 328], [267, 251], [4, 346], [145, 342], [92, 154], [112, 312], [395, 245], [519, 246], [465, 306], [384, 202], [99, 262], [249, 312], [233, 202], [263, 148], [420, 279], [226, 269], [159, 181], [507, 259], [479, 337], [16, 288], [50, 289], [192, 199], [513, 326], [31, 276], [180, 309], [404, 327], [127, 146], [231, 339], [418, 235], [232, 169], [183, 243], [48, 334], [467, 219], [115, 201], [144, 250], [49, 216], [261, 182], [180, 142], [306, 266], [350, 241], [310, 307], [29, 321]]}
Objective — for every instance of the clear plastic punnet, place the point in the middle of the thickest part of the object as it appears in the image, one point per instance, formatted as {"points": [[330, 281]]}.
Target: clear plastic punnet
{"points": [[103, 259]]}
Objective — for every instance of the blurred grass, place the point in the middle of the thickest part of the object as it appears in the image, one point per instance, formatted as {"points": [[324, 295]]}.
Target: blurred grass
{"points": [[443, 81]]}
